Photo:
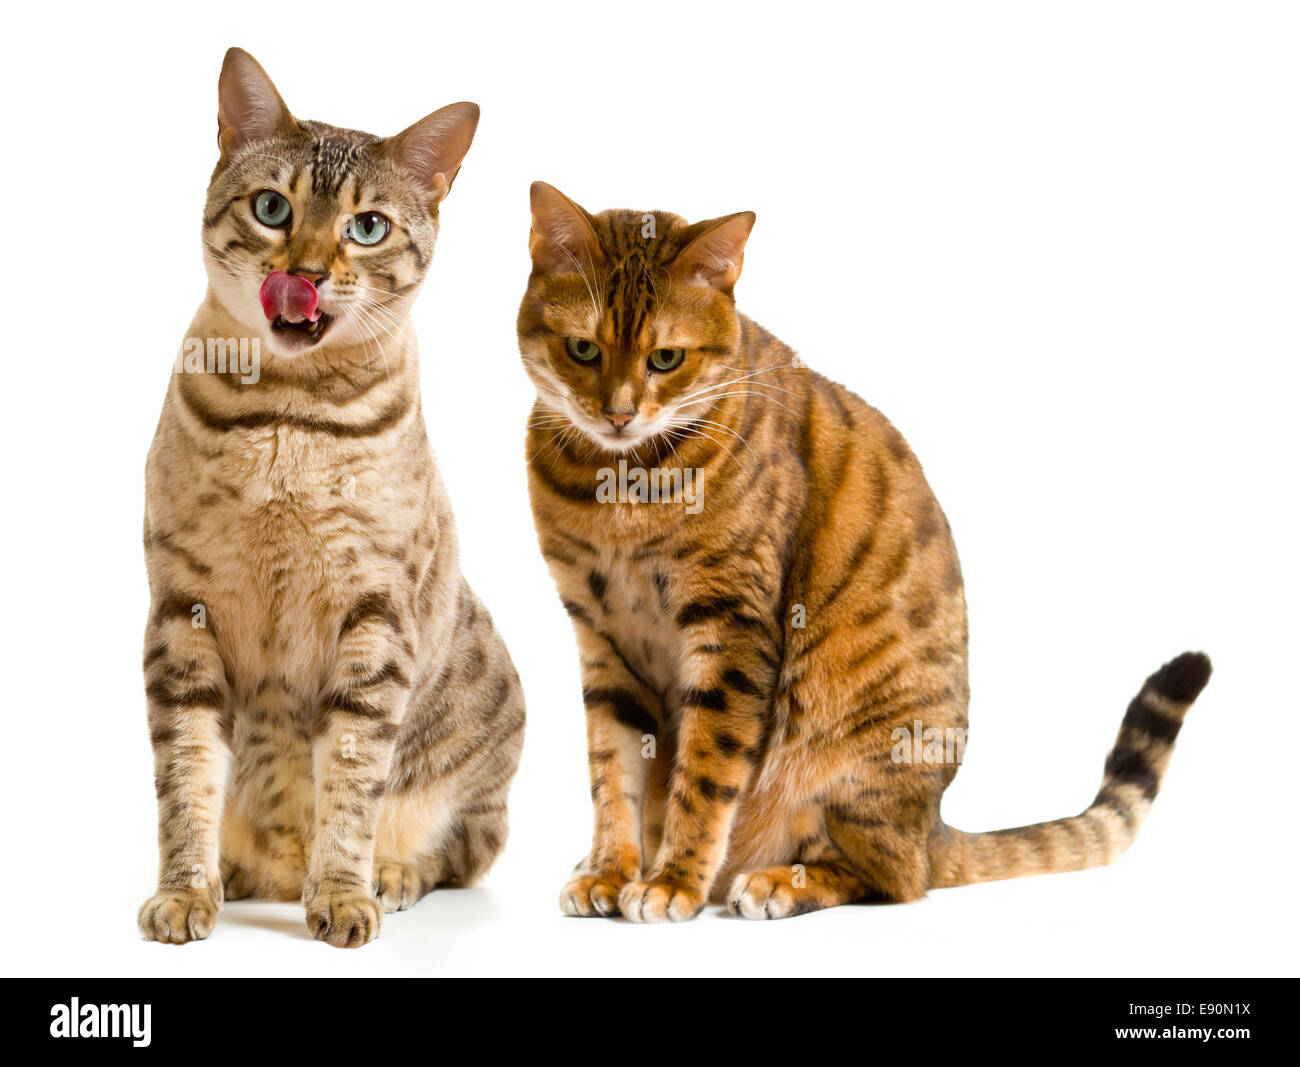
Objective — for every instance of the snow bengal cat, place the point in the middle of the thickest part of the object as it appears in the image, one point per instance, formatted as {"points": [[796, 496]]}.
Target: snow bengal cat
{"points": [[757, 639], [333, 716]]}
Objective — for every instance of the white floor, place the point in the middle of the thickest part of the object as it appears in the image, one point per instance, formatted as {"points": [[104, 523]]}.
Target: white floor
{"points": [[1171, 907]]}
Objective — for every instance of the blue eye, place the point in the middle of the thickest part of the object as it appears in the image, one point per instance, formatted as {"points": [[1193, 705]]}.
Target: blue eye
{"points": [[271, 208], [368, 228]]}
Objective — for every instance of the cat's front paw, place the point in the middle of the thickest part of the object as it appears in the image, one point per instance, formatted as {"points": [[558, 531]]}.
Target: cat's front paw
{"points": [[343, 919], [592, 895], [175, 916], [659, 900]]}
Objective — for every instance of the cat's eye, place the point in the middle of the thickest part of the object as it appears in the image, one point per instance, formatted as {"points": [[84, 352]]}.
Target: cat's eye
{"points": [[662, 359], [368, 228], [582, 350], [271, 208]]}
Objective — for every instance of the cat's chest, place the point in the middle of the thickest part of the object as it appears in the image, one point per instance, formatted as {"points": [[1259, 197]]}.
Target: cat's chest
{"points": [[286, 498], [286, 531], [632, 600]]}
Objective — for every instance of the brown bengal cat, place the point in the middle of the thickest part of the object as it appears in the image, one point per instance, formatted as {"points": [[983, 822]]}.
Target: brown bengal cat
{"points": [[767, 601], [333, 716]]}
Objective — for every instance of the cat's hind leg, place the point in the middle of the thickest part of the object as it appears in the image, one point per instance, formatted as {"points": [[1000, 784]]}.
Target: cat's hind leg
{"points": [[419, 847], [873, 847], [782, 862], [462, 853], [408, 858], [474, 840], [794, 889], [883, 835], [238, 884], [399, 885], [444, 818]]}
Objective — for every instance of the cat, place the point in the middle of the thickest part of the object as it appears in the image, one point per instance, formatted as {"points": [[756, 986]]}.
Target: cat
{"points": [[333, 716], [767, 601]]}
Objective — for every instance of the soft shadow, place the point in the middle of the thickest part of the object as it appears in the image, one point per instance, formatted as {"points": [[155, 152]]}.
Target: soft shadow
{"points": [[256, 915], [724, 911], [449, 907], [458, 906]]}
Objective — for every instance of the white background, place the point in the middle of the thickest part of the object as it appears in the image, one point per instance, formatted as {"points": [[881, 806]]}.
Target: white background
{"points": [[1058, 244]]}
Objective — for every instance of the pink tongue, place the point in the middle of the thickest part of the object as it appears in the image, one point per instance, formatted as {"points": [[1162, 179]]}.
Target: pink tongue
{"points": [[289, 297]]}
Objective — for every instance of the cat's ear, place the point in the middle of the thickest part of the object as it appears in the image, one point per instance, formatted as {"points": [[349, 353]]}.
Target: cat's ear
{"points": [[248, 107], [433, 149], [715, 252], [562, 238]]}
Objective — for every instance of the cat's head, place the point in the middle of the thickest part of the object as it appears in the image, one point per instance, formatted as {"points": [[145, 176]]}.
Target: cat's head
{"points": [[345, 221], [628, 328]]}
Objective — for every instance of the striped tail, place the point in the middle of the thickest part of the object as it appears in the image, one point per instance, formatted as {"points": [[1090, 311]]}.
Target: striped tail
{"points": [[1101, 834]]}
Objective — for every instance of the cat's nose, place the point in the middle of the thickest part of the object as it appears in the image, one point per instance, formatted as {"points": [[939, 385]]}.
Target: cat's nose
{"points": [[312, 274], [620, 418]]}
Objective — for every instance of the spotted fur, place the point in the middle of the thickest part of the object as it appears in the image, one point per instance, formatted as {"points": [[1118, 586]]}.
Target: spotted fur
{"points": [[333, 716], [747, 665]]}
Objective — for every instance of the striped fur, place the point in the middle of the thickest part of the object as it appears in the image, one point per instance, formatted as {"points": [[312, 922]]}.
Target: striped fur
{"points": [[334, 718], [747, 665]]}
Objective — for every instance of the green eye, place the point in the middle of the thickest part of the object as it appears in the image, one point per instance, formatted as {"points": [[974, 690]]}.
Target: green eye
{"points": [[581, 350], [666, 358], [271, 208], [368, 228]]}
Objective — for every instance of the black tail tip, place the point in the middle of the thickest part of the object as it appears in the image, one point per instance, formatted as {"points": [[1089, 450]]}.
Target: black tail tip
{"points": [[1183, 677]]}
